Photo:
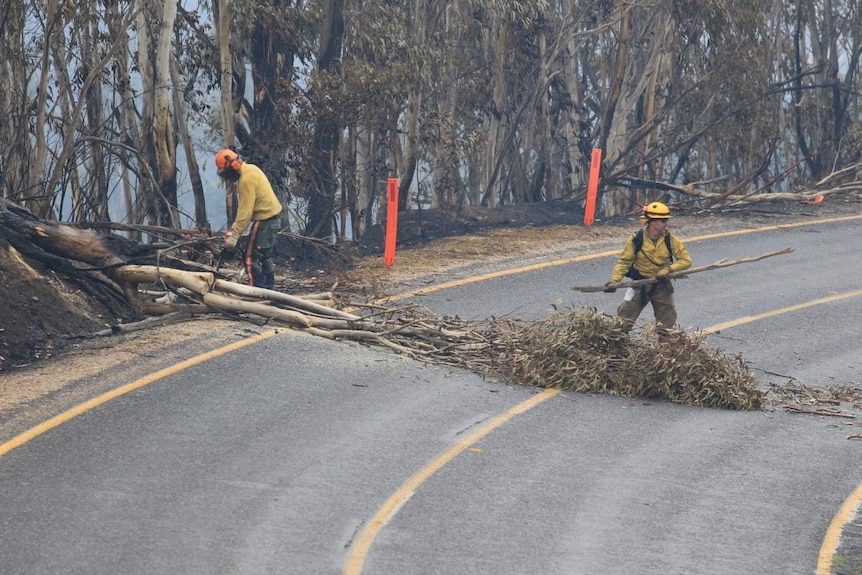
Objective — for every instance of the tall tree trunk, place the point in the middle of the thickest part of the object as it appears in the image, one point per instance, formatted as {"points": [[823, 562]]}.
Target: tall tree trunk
{"points": [[609, 139], [363, 158], [14, 103], [164, 144], [136, 195], [93, 205], [37, 198], [417, 23], [188, 147], [223, 15], [148, 204], [497, 118], [327, 127], [575, 122]]}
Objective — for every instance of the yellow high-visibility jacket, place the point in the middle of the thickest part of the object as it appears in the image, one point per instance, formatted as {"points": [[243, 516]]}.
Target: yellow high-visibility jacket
{"points": [[652, 257], [257, 200]]}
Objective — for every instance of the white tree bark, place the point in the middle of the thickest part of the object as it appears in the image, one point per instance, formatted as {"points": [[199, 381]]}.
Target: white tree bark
{"points": [[223, 19], [164, 142], [38, 166]]}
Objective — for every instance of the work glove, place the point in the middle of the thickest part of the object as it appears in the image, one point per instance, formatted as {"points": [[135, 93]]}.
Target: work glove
{"points": [[230, 240], [609, 289], [662, 273]]}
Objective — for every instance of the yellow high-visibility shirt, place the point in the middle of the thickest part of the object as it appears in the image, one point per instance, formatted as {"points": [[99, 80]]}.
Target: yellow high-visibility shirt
{"points": [[257, 200], [653, 256]]}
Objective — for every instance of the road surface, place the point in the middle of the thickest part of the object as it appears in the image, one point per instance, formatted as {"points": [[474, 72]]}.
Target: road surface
{"points": [[300, 455]]}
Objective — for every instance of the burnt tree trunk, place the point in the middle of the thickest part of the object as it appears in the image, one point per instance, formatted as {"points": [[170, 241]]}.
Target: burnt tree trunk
{"points": [[57, 246]]}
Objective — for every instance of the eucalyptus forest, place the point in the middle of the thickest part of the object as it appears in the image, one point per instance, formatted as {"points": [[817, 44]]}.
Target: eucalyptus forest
{"points": [[114, 108]]}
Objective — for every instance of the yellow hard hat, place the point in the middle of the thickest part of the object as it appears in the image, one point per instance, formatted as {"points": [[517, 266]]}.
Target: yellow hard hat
{"points": [[656, 211]]}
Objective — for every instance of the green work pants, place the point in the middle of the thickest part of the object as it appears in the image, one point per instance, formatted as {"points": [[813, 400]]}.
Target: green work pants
{"points": [[259, 264], [660, 295]]}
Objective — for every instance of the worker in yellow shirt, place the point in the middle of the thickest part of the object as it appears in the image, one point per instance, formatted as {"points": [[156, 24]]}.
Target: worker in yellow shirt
{"points": [[652, 252], [257, 205]]}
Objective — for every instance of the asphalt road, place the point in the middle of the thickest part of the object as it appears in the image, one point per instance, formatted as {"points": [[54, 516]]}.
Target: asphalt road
{"points": [[301, 455]]}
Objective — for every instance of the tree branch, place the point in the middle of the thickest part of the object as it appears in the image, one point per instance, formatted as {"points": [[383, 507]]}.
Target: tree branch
{"points": [[682, 274]]}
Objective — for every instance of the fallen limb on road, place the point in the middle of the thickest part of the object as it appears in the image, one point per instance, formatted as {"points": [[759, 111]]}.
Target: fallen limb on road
{"points": [[719, 264]]}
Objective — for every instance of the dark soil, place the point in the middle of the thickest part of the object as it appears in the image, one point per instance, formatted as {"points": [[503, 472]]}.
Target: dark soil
{"points": [[40, 311], [419, 226]]}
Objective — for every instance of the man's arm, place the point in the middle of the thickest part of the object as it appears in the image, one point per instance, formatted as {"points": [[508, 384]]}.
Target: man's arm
{"points": [[624, 261], [244, 209], [683, 259]]}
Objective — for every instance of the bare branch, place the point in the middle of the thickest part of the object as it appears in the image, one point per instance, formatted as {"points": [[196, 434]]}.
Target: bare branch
{"points": [[682, 274]]}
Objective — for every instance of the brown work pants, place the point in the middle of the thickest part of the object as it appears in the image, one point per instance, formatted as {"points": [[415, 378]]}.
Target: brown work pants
{"points": [[660, 295]]}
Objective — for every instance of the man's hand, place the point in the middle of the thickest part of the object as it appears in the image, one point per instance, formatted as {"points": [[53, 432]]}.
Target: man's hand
{"points": [[662, 273], [609, 289], [230, 240]]}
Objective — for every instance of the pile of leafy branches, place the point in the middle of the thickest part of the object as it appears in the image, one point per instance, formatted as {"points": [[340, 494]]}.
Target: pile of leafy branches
{"points": [[585, 351]]}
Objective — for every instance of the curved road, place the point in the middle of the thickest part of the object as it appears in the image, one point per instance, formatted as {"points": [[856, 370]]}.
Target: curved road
{"points": [[295, 454]]}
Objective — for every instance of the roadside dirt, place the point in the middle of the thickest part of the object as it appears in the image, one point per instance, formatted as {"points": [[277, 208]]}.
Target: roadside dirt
{"points": [[42, 355]]}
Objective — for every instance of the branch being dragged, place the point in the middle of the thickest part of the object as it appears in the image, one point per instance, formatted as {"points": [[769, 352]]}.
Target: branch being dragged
{"points": [[676, 275]]}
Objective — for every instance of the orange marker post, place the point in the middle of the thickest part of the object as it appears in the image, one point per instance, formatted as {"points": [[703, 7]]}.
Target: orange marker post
{"points": [[391, 222], [593, 187]]}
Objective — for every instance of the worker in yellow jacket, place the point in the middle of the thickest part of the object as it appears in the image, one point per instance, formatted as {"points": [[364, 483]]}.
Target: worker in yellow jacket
{"points": [[652, 252], [257, 205]]}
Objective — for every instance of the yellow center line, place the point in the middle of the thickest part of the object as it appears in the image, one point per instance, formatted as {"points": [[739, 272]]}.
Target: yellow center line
{"points": [[849, 508], [365, 539], [750, 318], [588, 257], [833, 532], [362, 544], [62, 418]]}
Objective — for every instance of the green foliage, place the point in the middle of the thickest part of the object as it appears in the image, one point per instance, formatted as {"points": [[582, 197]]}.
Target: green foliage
{"points": [[589, 352], [846, 564], [502, 94]]}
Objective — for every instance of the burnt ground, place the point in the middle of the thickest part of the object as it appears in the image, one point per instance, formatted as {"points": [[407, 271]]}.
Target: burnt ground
{"points": [[420, 226], [43, 314], [41, 311]]}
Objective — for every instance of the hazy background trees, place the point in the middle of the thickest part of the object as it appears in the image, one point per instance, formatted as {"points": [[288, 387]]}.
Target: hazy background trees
{"points": [[114, 108]]}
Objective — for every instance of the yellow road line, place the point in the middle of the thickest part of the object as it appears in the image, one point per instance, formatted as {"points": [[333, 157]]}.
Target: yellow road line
{"points": [[750, 318], [588, 257], [62, 418], [848, 510], [833, 532], [362, 543], [500, 274]]}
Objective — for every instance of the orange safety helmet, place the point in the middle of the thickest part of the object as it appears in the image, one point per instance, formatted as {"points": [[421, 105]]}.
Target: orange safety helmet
{"points": [[227, 159], [656, 211]]}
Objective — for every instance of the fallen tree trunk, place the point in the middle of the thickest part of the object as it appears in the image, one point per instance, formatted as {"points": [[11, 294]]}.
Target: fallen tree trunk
{"points": [[46, 240], [63, 249], [234, 305], [149, 323], [198, 282], [277, 296], [840, 183], [676, 275], [218, 294], [235, 298]]}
